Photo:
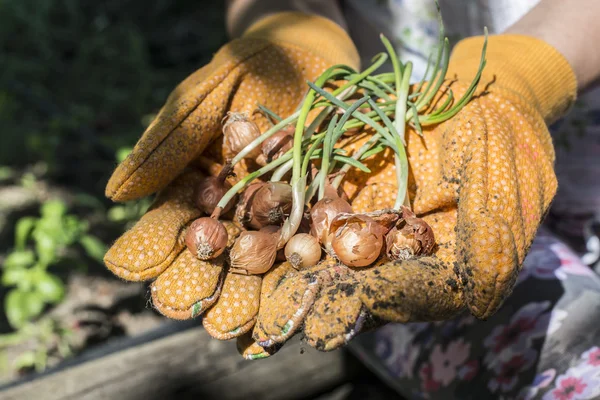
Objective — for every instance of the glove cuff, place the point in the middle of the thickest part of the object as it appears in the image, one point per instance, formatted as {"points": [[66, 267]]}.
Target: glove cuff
{"points": [[319, 35], [523, 64]]}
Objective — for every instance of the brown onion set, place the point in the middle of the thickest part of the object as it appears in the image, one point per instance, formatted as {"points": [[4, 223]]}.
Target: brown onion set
{"points": [[329, 226]]}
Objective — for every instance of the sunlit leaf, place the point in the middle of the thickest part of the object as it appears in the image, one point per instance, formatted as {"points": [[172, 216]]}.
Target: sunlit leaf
{"points": [[24, 360], [93, 247], [53, 209], [50, 287], [45, 247], [22, 230], [19, 259], [117, 213], [12, 277], [21, 306]]}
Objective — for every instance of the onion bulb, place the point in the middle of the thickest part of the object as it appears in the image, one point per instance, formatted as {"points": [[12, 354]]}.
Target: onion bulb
{"points": [[270, 205], [323, 213], [357, 239], [242, 211], [253, 252], [209, 192], [278, 144], [239, 132], [206, 238], [303, 251], [411, 237]]}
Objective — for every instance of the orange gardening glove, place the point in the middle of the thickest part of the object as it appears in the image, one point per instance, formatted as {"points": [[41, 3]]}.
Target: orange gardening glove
{"points": [[482, 180], [268, 65]]}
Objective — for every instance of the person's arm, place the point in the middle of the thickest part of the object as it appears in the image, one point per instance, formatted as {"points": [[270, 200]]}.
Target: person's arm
{"points": [[571, 27], [243, 13]]}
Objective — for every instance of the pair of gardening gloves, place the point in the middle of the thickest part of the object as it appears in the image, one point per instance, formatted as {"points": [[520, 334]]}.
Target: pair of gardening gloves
{"points": [[483, 180]]}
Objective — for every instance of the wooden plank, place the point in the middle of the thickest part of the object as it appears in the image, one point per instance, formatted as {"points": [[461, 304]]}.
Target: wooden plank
{"points": [[190, 364]]}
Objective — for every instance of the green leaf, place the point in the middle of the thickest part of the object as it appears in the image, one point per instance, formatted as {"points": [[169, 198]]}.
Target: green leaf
{"points": [[72, 228], [24, 360], [11, 339], [45, 247], [117, 214], [22, 306], [19, 259], [123, 152], [87, 200], [53, 209], [197, 309], [373, 151], [14, 276], [6, 172], [22, 230], [93, 247], [50, 287], [353, 162]]}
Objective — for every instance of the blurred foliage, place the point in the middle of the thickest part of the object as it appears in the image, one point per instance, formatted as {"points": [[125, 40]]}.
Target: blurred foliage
{"points": [[40, 243], [78, 77], [45, 338], [80, 81]]}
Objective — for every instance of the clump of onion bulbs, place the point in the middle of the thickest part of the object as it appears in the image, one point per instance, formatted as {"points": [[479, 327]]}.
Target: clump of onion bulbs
{"points": [[356, 240]]}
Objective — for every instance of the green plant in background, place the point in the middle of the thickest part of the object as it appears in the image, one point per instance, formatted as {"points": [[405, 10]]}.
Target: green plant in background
{"points": [[40, 243], [78, 80], [26, 267], [46, 338]]}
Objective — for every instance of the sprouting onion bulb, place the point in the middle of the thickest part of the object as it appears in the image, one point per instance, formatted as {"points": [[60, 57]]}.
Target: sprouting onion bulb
{"points": [[253, 252], [206, 238], [411, 237], [303, 251], [270, 205], [209, 192], [357, 239], [239, 132]]}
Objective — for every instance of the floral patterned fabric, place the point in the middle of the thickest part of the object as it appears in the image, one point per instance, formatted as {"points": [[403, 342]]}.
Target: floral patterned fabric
{"points": [[544, 343]]}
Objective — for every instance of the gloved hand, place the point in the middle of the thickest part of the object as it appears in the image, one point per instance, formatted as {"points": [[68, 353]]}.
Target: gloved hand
{"points": [[483, 180], [268, 65]]}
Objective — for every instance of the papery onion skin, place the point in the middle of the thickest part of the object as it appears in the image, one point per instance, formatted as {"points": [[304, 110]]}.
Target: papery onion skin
{"points": [[239, 132], [270, 205], [323, 213], [242, 210], [278, 144], [206, 238], [357, 239], [411, 237], [209, 192], [303, 251], [253, 253]]}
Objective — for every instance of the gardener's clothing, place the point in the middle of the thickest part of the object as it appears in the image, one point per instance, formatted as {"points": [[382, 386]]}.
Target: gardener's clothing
{"points": [[543, 343]]}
